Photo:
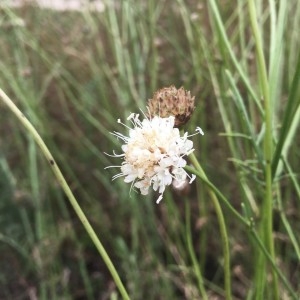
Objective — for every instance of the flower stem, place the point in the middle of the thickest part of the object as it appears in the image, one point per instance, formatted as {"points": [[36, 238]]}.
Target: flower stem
{"points": [[267, 222], [197, 268], [223, 229], [249, 224], [29, 127]]}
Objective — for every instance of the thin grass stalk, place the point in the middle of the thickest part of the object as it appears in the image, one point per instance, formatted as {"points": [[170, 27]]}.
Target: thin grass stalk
{"points": [[243, 111], [39, 224], [241, 27], [179, 233], [195, 57], [35, 188], [230, 50], [288, 227], [197, 268], [277, 59], [293, 104], [293, 26], [223, 230], [61, 180], [293, 176], [267, 221], [249, 224], [227, 121], [273, 264], [204, 234]]}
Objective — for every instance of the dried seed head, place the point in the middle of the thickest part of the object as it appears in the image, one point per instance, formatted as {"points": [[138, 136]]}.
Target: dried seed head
{"points": [[170, 101]]}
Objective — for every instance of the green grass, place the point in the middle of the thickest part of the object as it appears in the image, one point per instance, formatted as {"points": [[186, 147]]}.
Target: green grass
{"points": [[73, 74]]}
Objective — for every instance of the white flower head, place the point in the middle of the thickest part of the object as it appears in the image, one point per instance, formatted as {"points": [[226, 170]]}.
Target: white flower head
{"points": [[154, 154]]}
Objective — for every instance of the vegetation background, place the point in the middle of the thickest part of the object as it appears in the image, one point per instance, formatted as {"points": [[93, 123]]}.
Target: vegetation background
{"points": [[73, 74]]}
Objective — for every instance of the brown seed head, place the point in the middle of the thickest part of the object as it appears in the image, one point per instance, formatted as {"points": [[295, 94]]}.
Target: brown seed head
{"points": [[170, 101]]}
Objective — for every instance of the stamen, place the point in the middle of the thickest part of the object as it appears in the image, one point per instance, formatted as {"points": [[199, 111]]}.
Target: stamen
{"points": [[131, 116], [114, 154], [199, 130], [159, 199], [193, 177], [117, 176], [109, 167], [153, 154]]}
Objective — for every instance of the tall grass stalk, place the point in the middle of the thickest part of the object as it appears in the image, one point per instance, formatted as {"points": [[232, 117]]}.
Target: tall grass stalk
{"points": [[248, 224], [222, 31], [61, 180], [267, 222], [197, 267], [223, 231]]}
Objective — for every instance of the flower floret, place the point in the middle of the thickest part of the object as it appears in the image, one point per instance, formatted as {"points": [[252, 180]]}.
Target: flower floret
{"points": [[154, 154]]}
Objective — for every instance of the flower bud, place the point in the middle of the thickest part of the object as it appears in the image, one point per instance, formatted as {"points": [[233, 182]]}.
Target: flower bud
{"points": [[170, 101]]}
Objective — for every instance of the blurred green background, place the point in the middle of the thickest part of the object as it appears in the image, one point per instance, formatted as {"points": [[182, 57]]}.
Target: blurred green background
{"points": [[73, 74]]}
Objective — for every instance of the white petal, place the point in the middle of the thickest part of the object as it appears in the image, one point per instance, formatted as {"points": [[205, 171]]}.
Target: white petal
{"points": [[153, 154]]}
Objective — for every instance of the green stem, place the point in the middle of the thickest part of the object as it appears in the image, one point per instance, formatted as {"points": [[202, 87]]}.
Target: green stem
{"points": [[219, 194], [197, 269], [67, 191], [223, 230], [249, 224], [273, 264], [267, 221]]}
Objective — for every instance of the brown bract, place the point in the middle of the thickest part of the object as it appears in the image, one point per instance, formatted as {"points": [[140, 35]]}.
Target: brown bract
{"points": [[170, 101]]}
